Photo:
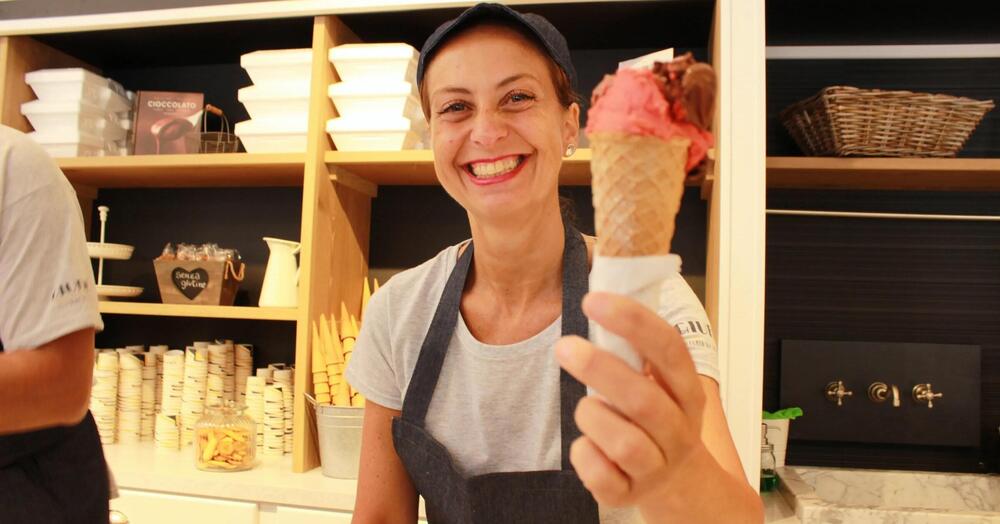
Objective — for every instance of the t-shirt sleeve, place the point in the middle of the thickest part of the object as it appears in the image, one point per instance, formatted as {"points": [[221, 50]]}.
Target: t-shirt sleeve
{"points": [[681, 308], [371, 371], [46, 279]]}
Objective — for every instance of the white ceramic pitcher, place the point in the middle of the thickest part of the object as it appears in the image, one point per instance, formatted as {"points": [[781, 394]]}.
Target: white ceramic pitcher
{"points": [[281, 278]]}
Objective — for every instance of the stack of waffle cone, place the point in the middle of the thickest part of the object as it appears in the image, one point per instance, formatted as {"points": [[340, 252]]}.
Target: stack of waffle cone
{"points": [[638, 182]]}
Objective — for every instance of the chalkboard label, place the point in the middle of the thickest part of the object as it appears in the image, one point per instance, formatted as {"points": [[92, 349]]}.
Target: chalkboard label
{"points": [[190, 282]]}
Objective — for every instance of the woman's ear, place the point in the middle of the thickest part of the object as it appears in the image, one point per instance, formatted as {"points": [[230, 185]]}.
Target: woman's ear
{"points": [[571, 124]]}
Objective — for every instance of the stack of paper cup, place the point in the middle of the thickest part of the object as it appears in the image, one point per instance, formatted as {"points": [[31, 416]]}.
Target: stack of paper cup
{"points": [[104, 395], [158, 351], [129, 397], [285, 378], [148, 396], [274, 420], [229, 390], [266, 374], [168, 435], [195, 390], [255, 405], [243, 369], [216, 374], [173, 383]]}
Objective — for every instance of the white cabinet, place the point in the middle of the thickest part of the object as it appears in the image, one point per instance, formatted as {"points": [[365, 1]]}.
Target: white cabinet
{"points": [[289, 515], [145, 507]]}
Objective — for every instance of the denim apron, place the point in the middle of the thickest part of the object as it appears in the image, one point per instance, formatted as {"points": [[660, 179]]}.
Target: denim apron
{"points": [[555, 496]]}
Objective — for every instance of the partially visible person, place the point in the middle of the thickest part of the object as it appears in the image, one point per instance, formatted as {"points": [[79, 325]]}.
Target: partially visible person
{"points": [[52, 467]]}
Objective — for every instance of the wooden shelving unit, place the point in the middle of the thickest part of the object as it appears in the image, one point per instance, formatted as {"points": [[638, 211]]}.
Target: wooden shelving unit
{"points": [[913, 174], [209, 170], [416, 168], [181, 310]]}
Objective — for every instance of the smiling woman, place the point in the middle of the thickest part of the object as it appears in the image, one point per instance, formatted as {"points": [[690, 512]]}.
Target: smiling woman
{"points": [[497, 120], [467, 405]]}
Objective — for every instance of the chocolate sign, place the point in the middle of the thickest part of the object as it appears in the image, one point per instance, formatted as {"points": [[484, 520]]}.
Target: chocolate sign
{"points": [[190, 282]]}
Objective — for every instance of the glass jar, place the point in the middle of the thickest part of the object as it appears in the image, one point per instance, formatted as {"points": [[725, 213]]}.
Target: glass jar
{"points": [[224, 439], [768, 475]]}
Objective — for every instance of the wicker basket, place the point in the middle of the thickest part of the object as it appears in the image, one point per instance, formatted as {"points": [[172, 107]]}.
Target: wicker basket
{"points": [[844, 121]]}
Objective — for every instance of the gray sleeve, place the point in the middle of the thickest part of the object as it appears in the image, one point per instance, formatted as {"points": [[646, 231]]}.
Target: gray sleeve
{"points": [[681, 308], [371, 371], [46, 281]]}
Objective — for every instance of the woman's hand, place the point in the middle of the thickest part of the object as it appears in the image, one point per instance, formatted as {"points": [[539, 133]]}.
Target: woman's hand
{"points": [[644, 440]]}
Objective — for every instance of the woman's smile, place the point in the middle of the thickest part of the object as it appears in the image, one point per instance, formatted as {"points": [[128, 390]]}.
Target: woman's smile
{"points": [[495, 170]]}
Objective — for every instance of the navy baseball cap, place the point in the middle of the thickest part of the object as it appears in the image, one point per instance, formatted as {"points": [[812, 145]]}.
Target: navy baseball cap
{"points": [[545, 33]]}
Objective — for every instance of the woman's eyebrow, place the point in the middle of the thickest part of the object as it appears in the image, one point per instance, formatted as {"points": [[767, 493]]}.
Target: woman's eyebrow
{"points": [[465, 91], [515, 78]]}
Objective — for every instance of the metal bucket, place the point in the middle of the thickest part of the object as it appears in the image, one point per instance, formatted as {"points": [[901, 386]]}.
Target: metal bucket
{"points": [[339, 440]]}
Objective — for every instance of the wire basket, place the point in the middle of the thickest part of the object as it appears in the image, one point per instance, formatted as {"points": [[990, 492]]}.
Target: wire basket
{"points": [[217, 141], [846, 121]]}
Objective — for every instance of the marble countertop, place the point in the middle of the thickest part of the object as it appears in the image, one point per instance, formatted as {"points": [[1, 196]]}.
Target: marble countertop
{"points": [[776, 510]]}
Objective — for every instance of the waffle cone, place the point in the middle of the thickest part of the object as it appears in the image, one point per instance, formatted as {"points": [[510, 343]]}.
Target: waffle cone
{"points": [[638, 182]]}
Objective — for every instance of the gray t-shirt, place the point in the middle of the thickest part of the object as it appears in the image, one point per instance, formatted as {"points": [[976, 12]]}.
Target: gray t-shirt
{"points": [[46, 280], [495, 408]]}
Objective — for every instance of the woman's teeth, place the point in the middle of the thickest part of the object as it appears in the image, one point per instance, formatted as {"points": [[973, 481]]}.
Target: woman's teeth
{"points": [[486, 170]]}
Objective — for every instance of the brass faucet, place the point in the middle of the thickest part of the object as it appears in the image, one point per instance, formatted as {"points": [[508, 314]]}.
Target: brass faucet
{"points": [[924, 393], [835, 392], [878, 392]]}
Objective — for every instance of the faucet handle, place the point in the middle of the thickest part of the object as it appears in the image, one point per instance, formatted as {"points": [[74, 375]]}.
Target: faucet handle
{"points": [[924, 393], [835, 392]]}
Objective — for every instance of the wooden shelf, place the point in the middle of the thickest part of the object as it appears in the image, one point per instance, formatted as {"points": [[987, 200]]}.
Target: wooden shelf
{"points": [[416, 167], [915, 174], [181, 310], [209, 170]]}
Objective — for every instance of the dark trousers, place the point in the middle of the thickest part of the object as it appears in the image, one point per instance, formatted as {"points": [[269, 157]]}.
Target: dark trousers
{"points": [[54, 476]]}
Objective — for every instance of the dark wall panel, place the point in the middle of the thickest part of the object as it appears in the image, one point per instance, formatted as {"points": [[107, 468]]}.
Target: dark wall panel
{"points": [[872, 280]]}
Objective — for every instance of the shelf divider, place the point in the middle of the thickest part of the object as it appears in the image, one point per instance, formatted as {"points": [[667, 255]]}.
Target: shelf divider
{"points": [[197, 311], [204, 170], [914, 174]]}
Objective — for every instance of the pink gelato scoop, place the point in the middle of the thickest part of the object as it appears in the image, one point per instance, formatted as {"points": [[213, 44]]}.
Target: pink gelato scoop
{"points": [[632, 101]]}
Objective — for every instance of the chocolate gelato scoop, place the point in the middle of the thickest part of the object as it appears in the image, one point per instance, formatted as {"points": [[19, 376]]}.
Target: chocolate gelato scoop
{"points": [[693, 84]]}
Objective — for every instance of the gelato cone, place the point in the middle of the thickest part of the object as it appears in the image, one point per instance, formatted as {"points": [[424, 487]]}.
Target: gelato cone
{"points": [[643, 145], [638, 182]]}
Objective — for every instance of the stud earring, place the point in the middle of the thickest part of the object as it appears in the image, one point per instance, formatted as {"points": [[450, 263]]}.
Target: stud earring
{"points": [[570, 149]]}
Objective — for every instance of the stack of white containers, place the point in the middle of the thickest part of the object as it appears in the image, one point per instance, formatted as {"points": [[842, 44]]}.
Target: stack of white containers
{"points": [[274, 420], [255, 405], [129, 397], [167, 429], [104, 396], [78, 113], [244, 367], [285, 377], [278, 101], [376, 99], [195, 389], [148, 396]]}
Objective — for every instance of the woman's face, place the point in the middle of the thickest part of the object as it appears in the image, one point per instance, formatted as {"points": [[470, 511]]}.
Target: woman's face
{"points": [[497, 127]]}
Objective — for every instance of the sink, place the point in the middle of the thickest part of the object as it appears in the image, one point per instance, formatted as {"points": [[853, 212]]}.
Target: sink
{"points": [[859, 496]]}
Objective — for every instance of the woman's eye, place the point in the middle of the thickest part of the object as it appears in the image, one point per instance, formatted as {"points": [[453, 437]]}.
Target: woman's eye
{"points": [[453, 107], [519, 97]]}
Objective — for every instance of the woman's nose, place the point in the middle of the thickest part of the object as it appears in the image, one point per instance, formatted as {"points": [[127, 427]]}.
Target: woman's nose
{"points": [[488, 127]]}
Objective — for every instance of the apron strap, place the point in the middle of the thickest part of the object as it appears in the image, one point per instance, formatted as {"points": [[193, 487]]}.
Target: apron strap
{"points": [[429, 363], [574, 286]]}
